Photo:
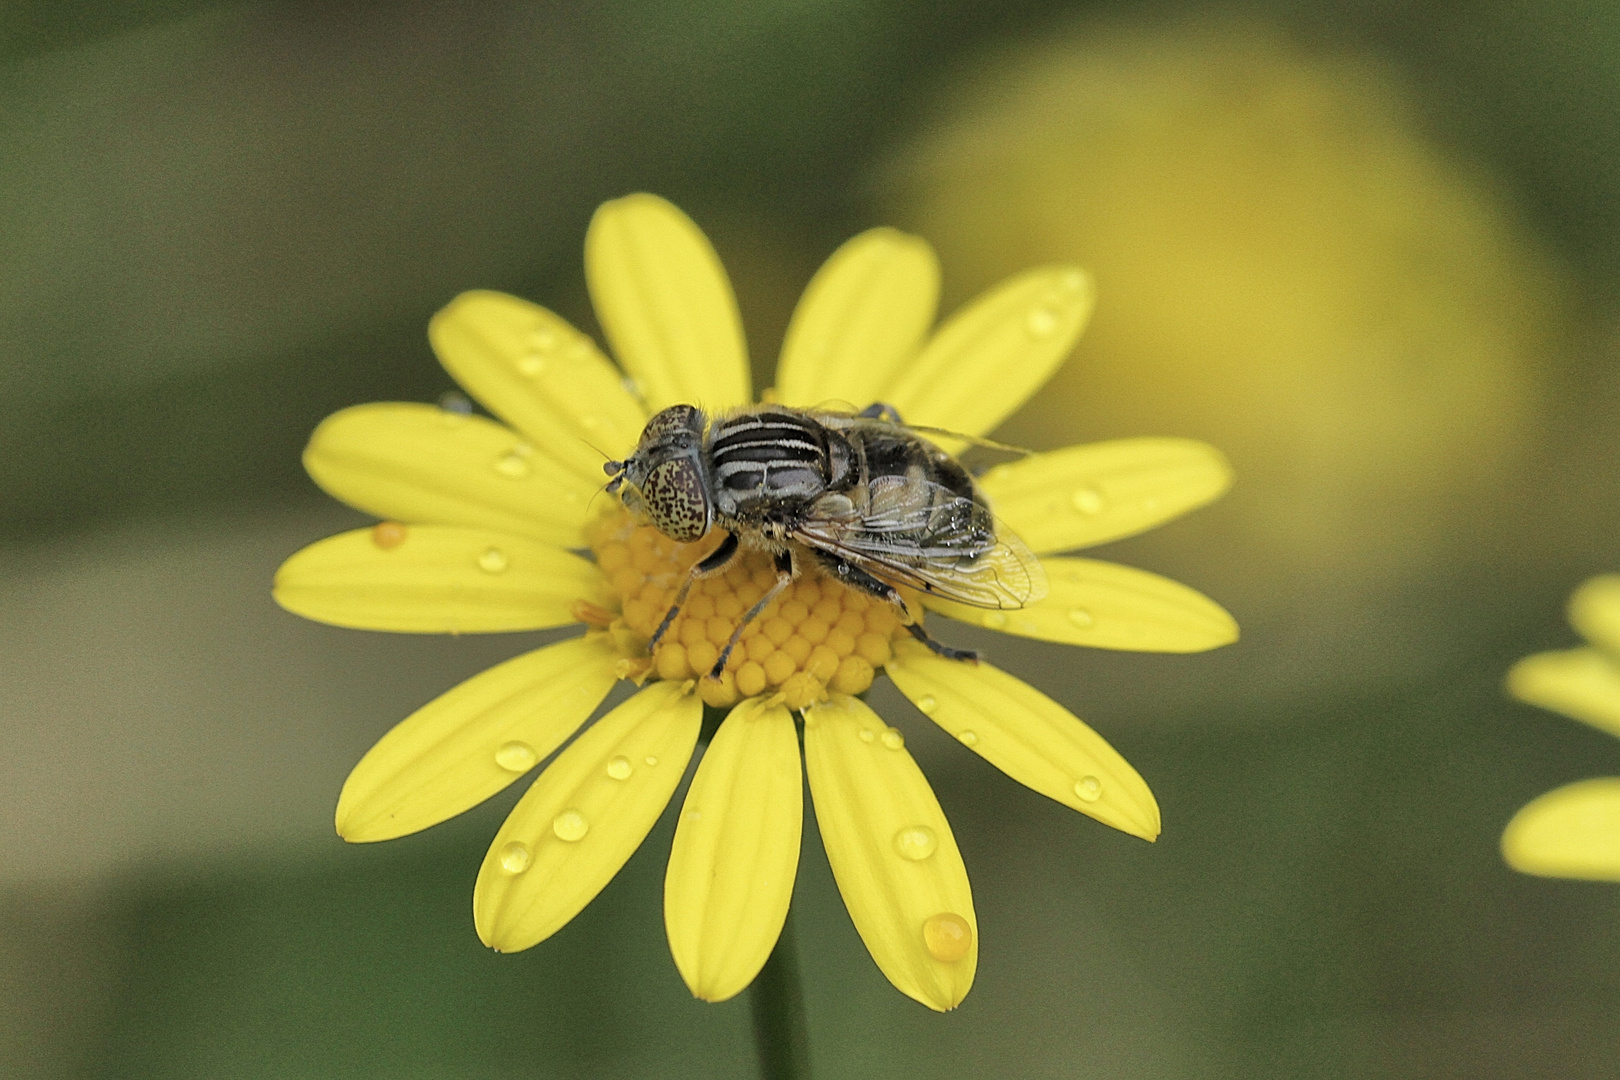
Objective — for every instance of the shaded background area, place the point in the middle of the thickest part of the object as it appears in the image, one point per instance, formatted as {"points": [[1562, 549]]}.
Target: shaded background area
{"points": [[1372, 253]]}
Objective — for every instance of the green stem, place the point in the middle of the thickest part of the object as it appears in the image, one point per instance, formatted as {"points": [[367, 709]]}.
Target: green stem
{"points": [[777, 1000]]}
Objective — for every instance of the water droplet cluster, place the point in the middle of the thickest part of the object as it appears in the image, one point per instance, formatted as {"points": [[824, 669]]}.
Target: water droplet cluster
{"points": [[817, 635]]}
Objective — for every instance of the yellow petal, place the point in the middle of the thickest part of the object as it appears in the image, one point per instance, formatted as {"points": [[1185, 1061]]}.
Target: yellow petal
{"points": [[1570, 832], [863, 315], [1028, 736], [1581, 683], [1085, 495], [891, 850], [988, 358], [467, 744], [1594, 610], [423, 464], [539, 374], [1105, 605], [438, 580], [736, 852], [666, 306], [584, 817]]}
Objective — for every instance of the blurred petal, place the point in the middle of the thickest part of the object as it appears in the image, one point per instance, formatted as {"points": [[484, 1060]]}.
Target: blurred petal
{"points": [[1570, 832], [438, 580], [736, 852], [988, 358], [863, 315], [584, 817], [539, 374], [1028, 736], [1105, 605], [1580, 683], [663, 300], [891, 850], [467, 744], [423, 464], [1594, 610], [1085, 495]]}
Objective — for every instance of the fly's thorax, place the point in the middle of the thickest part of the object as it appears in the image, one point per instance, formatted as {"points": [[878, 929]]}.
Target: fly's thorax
{"points": [[666, 481], [770, 463]]}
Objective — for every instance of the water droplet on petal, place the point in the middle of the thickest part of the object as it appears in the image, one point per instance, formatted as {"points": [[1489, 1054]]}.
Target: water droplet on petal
{"points": [[457, 404], [893, 739], [514, 465], [947, 936], [388, 534], [515, 857], [916, 842], [632, 387], [591, 422], [1081, 618], [867, 734], [692, 815], [967, 736], [543, 340], [531, 364], [1072, 280], [650, 760], [492, 561], [995, 620], [927, 704], [1041, 322], [1087, 500], [619, 768], [1088, 788], [516, 757], [570, 825]]}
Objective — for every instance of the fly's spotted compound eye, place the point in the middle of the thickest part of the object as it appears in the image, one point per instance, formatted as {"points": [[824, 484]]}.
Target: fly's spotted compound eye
{"points": [[676, 501]]}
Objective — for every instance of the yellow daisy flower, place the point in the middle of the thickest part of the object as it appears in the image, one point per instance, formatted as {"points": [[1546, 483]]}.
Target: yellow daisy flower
{"points": [[490, 526], [1574, 831]]}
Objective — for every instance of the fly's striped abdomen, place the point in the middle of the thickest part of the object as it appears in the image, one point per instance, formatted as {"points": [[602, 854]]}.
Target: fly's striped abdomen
{"points": [[772, 456]]}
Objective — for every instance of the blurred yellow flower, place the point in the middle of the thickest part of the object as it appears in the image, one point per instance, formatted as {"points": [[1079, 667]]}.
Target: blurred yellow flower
{"points": [[486, 528], [1574, 831]]}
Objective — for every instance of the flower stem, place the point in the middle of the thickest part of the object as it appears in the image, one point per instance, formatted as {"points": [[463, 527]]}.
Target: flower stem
{"points": [[777, 1000]]}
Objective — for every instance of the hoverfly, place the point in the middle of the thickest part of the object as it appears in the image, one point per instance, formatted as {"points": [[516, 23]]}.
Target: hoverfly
{"points": [[865, 497]]}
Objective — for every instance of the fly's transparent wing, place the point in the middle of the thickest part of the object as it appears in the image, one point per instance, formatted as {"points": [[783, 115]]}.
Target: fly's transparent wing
{"points": [[913, 532]]}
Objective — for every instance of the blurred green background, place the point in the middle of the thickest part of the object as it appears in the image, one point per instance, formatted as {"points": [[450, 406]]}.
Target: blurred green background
{"points": [[1373, 252]]}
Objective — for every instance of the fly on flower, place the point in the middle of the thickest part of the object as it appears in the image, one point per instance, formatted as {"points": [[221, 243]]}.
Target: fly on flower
{"points": [[871, 504], [794, 550]]}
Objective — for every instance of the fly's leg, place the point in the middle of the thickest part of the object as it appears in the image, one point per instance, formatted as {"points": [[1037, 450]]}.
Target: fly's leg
{"points": [[856, 578], [943, 650], [784, 578], [717, 560], [879, 411]]}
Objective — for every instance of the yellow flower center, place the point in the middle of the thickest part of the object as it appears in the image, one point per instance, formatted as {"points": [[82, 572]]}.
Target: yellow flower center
{"points": [[817, 634]]}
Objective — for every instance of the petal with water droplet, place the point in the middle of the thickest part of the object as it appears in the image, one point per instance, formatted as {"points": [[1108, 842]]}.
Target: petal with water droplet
{"points": [[401, 461], [863, 315], [984, 362], [461, 747], [1570, 832], [864, 795], [432, 583], [1028, 736], [665, 303], [1085, 495], [1580, 683], [1104, 605], [568, 869], [736, 852], [573, 404]]}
